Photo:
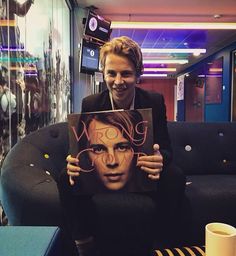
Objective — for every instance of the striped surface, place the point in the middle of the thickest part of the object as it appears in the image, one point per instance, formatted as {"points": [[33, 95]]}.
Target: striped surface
{"points": [[184, 251]]}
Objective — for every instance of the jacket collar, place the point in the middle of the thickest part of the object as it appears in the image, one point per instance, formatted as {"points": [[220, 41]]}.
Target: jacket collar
{"points": [[141, 101]]}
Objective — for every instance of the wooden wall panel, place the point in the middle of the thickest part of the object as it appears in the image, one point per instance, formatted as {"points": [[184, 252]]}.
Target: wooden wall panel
{"points": [[165, 87]]}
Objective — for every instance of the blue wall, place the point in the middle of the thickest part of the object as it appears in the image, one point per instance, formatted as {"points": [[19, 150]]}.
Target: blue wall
{"points": [[216, 112], [181, 110]]}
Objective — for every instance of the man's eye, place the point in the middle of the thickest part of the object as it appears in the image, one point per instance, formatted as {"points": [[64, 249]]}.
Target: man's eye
{"points": [[98, 149], [111, 73], [127, 74], [123, 148]]}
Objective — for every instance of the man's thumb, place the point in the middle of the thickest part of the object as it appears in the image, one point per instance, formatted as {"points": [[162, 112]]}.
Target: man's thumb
{"points": [[156, 148]]}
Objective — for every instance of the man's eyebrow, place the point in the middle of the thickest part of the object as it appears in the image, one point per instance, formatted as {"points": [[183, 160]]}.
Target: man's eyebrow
{"points": [[110, 70], [102, 145], [123, 143], [97, 145], [127, 70], [122, 71]]}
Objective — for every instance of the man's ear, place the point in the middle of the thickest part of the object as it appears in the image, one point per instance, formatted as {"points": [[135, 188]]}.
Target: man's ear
{"points": [[138, 80]]}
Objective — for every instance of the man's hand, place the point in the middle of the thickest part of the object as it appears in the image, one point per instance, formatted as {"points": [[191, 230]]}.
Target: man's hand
{"points": [[152, 164], [73, 168]]}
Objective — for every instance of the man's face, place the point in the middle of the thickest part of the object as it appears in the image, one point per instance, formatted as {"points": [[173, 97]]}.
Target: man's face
{"points": [[120, 77], [111, 154]]}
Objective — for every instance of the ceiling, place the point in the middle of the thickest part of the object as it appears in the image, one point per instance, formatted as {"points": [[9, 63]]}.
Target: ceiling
{"points": [[170, 11]]}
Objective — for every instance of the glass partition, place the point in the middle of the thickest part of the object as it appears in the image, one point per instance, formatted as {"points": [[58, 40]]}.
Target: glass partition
{"points": [[34, 67]]}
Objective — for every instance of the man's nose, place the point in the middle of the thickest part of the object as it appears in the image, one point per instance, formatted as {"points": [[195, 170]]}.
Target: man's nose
{"points": [[119, 79], [111, 158]]}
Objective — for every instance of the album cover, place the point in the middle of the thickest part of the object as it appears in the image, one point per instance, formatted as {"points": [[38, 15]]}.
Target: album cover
{"points": [[107, 145]]}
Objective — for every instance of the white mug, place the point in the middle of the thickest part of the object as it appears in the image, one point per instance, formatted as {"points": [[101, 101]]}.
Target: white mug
{"points": [[220, 239]]}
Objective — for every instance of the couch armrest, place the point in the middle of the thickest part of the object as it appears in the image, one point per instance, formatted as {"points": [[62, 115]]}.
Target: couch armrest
{"points": [[28, 189]]}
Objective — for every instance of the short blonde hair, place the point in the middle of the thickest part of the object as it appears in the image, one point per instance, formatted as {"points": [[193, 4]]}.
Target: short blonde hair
{"points": [[126, 47]]}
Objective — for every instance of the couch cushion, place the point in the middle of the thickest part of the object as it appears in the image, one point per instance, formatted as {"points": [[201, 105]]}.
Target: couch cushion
{"points": [[200, 148], [211, 199]]}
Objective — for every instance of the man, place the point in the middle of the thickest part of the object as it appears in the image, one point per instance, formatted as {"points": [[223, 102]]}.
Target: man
{"points": [[121, 63]]}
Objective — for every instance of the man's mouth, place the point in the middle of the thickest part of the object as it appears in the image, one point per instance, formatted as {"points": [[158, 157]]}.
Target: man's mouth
{"points": [[119, 91], [119, 88], [113, 177]]}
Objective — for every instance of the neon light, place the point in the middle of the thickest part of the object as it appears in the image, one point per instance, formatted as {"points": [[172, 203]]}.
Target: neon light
{"points": [[158, 61], [154, 75], [5, 59], [7, 23], [24, 68], [172, 25], [29, 74], [215, 69], [159, 69], [4, 49], [170, 50], [210, 75]]}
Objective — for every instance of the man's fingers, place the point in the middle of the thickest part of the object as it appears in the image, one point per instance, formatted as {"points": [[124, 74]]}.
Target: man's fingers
{"points": [[72, 173], [72, 160], [73, 168], [153, 164], [152, 158], [71, 181], [151, 170], [154, 177], [150, 164]]}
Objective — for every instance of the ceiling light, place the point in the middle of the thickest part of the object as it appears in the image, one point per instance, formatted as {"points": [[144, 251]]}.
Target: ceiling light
{"points": [[209, 75], [159, 69], [215, 69], [172, 25], [196, 54], [172, 50], [156, 61], [154, 75]]}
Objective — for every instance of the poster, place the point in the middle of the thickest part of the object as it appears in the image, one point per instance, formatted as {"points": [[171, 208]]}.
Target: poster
{"points": [[107, 145]]}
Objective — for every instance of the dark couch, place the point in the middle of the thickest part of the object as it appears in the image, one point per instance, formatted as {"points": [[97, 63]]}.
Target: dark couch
{"points": [[206, 152]]}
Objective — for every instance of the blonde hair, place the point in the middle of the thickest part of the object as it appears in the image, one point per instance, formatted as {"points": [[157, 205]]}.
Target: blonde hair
{"points": [[126, 47]]}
